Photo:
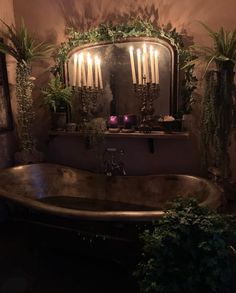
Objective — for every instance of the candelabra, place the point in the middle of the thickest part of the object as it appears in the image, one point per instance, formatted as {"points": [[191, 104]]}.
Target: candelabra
{"points": [[147, 93], [88, 97]]}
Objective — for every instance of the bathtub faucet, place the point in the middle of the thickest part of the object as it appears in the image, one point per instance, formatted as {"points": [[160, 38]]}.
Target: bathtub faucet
{"points": [[113, 166]]}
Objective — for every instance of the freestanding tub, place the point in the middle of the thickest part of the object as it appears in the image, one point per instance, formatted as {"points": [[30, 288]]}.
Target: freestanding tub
{"points": [[80, 208], [64, 191]]}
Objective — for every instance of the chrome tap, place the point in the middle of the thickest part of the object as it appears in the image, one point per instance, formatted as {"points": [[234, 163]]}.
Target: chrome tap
{"points": [[113, 166]]}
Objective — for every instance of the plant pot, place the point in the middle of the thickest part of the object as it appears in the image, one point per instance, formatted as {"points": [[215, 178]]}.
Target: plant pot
{"points": [[58, 120]]}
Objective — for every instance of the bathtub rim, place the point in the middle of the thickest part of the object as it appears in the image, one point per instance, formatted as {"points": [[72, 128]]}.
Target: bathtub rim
{"points": [[148, 215]]}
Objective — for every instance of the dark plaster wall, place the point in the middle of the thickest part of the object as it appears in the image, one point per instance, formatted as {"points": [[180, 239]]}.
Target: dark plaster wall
{"points": [[48, 18]]}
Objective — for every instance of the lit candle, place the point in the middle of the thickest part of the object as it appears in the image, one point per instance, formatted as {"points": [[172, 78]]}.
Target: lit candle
{"points": [[75, 69], [139, 66], [156, 67], [145, 62], [152, 64], [89, 71], [96, 71], [113, 122], [66, 73], [131, 53], [80, 69], [144, 69], [100, 74], [84, 81]]}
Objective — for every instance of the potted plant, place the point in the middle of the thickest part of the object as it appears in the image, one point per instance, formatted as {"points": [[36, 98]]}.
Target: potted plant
{"points": [[217, 103], [188, 250], [58, 98], [24, 49]]}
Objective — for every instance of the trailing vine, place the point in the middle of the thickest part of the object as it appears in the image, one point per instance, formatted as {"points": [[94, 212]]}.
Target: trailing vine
{"points": [[135, 28], [25, 113]]}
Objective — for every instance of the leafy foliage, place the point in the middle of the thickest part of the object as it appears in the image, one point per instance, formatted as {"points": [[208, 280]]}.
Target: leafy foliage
{"points": [[134, 28], [188, 250], [218, 99], [23, 47], [56, 96], [223, 49]]}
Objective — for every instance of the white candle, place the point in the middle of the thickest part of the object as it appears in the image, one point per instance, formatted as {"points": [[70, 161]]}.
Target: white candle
{"points": [[80, 69], [75, 70], [89, 70], [152, 64], [156, 67], [131, 53], [100, 74], [96, 71], [144, 69], [139, 66], [66, 73], [84, 81]]}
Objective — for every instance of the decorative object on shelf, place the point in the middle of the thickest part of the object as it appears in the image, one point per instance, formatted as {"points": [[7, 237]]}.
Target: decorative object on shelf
{"points": [[58, 98], [71, 127], [130, 121], [24, 49], [113, 122], [146, 86], [146, 93], [217, 103]]}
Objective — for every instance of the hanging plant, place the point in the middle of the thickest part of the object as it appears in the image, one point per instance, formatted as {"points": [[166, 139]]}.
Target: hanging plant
{"points": [[217, 102], [24, 49], [135, 28]]}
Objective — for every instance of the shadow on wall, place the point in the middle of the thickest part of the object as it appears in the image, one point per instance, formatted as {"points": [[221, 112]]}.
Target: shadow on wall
{"points": [[90, 15]]}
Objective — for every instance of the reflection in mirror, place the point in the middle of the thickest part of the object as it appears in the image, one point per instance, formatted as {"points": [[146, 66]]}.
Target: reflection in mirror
{"points": [[112, 69]]}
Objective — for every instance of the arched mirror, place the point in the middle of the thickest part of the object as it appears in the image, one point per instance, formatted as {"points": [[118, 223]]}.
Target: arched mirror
{"points": [[120, 68]]}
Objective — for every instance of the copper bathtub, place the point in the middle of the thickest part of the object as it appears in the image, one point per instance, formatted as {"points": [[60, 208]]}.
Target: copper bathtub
{"points": [[66, 192]]}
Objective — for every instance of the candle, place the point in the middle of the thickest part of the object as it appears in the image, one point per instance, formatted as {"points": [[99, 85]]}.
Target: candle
{"points": [[156, 67], [100, 74], [145, 62], [89, 70], [96, 71], [131, 53], [139, 66], [75, 69], [84, 81], [80, 69], [144, 69], [66, 73], [113, 122], [152, 64]]}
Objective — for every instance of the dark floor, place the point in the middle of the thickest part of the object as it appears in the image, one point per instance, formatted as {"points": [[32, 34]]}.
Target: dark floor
{"points": [[26, 267]]}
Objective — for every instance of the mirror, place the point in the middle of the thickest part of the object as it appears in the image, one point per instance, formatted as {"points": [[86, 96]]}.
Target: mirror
{"points": [[118, 95]]}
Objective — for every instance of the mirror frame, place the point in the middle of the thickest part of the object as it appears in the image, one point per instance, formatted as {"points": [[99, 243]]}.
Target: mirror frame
{"points": [[174, 89], [136, 28], [6, 93]]}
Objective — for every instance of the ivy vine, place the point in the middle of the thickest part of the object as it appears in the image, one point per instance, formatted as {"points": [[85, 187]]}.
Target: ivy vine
{"points": [[135, 28]]}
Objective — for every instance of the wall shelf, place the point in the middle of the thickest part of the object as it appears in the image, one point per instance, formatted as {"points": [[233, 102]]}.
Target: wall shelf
{"points": [[152, 135]]}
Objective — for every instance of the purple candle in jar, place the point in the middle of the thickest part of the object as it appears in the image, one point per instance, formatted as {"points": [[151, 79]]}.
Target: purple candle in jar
{"points": [[130, 121], [113, 122]]}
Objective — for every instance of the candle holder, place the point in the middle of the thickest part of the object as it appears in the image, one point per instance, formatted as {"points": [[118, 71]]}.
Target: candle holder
{"points": [[88, 97], [147, 93]]}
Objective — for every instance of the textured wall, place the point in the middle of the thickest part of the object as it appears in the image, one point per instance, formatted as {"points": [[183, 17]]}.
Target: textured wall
{"points": [[48, 19]]}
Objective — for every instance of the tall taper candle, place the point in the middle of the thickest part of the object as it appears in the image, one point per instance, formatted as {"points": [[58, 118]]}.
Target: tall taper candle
{"points": [[75, 70], [152, 64], [131, 53], [139, 66], [156, 67], [80, 59], [100, 74], [84, 81], [96, 71]]}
